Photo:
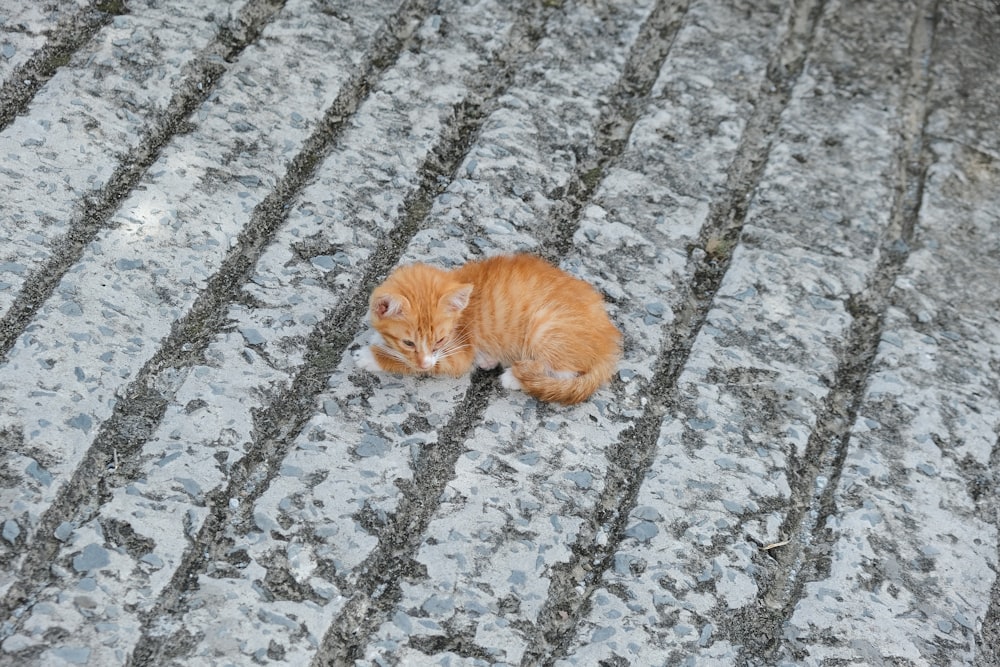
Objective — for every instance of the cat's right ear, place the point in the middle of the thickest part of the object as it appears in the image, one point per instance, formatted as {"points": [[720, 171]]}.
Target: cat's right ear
{"points": [[389, 305], [456, 300]]}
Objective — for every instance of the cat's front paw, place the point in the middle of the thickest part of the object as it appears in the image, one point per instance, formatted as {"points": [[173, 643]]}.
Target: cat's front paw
{"points": [[485, 362], [508, 381], [364, 358]]}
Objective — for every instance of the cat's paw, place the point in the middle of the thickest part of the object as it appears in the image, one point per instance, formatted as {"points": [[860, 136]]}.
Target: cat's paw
{"points": [[484, 362], [508, 381], [364, 358]]}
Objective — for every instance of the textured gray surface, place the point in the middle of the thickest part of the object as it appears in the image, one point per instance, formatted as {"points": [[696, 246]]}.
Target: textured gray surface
{"points": [[793, 209]]}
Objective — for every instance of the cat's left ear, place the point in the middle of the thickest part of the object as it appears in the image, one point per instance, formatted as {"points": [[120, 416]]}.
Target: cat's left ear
{"points": [[457, 299]]}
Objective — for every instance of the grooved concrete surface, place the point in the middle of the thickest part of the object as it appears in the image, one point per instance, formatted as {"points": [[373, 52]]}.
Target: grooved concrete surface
{"points": [[792, 207]]}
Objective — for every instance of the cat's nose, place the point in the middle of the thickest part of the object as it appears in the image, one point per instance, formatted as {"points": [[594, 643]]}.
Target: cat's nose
{"points": [[426, 363]]}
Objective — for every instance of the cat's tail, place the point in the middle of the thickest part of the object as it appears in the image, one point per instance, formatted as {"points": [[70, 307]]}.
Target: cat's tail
{"points": [[559, 386]]}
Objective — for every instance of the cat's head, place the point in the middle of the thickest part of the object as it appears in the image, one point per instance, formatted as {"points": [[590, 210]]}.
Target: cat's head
{"points": [[416, 310]]}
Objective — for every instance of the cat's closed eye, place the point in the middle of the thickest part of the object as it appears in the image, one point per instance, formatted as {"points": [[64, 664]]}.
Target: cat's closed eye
{"points": [[409, 343]]}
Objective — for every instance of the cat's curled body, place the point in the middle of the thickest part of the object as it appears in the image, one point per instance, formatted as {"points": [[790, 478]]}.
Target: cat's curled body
{"points": [[549, 329]]}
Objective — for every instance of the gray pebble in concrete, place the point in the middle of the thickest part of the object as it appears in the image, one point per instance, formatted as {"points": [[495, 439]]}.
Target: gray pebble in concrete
{"points": [[93, 557]]}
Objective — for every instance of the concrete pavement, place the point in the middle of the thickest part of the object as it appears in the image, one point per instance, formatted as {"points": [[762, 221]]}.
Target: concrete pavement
{"points": [[792, 208]]}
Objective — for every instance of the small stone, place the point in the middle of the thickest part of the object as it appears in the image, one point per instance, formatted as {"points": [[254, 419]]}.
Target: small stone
{"points": [[642, 531], [82, 422], [129, 264], [647, 513], [76, 655], [11, 530], [682, 630], [39, 473], [252, 336], [701, 424], [93, 557], [191, 487], [372, 445], [63, 531], [706, 634], [964, 621], [727, 464], [873, 518], [602, 634], [402, 621], [324, 262], [277, 619], [71, 308], [733, 506], [152, 559], [582, 479], [438, 605]]}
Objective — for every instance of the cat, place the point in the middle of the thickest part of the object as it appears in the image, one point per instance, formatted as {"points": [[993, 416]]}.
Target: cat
{"points": [[548, 328]]}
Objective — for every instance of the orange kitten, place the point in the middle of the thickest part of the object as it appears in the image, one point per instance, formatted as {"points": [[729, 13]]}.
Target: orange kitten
{"points": [[549, 328]]}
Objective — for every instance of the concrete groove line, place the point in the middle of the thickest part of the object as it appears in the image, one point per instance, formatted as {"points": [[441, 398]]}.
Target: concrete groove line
{"points": [[632, 455], [827, 446], [95, 211], [276, 426], [782, 72], [71, 33], [111, 458], [652, 45]]}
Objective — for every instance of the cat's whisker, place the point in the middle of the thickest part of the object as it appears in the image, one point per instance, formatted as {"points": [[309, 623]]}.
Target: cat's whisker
{"points": [[395, 354], [461, 340], [450, 351]]}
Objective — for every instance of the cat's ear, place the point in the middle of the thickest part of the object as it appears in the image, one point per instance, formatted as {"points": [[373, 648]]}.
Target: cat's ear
{"points": [[389, 305], [457, 299]]}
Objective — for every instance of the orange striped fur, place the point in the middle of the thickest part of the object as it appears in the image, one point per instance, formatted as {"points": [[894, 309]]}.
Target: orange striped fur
{"points": [[548, 328]]}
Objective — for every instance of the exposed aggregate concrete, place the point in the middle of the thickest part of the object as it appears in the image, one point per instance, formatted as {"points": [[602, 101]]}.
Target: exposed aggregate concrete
{"points": [[791, 208]]}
